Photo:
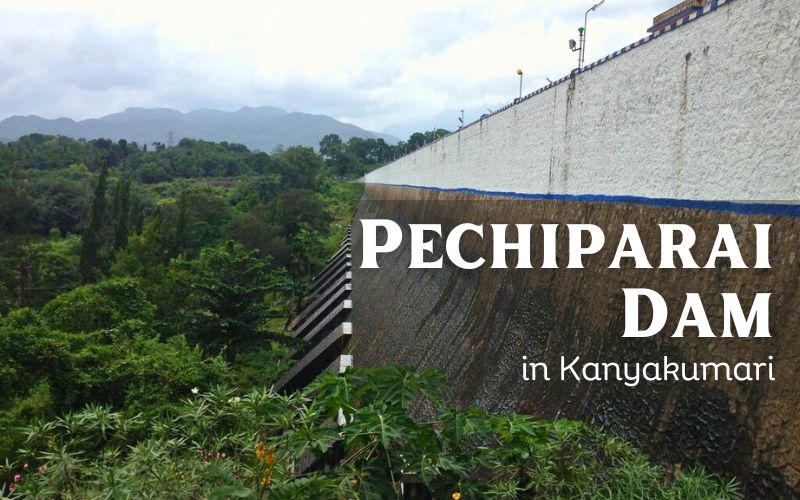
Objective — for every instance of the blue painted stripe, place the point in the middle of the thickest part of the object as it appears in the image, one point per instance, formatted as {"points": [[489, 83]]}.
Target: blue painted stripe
{"points": [[745, 208]]}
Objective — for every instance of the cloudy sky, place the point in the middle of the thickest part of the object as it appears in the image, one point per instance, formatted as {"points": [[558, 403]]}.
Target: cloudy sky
{"points": [[385, 66]]}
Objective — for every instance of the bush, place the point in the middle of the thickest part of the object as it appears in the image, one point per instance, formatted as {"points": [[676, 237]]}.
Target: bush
{"points": [[101, 305], [220, 445], [126, 368]]}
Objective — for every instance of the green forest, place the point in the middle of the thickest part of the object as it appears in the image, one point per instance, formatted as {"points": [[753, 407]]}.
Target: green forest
{"points": [[145, 292]]}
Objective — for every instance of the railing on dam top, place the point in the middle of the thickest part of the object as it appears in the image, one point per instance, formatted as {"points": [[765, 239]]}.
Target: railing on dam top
{"points": [[712, 6]]}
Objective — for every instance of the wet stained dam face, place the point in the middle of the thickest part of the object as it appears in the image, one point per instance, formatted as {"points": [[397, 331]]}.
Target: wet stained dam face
{"points": [[696, 124], [476, 325]]}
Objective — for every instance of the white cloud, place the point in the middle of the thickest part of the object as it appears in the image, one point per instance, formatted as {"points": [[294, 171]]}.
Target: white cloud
{"points": [[372, 63]]}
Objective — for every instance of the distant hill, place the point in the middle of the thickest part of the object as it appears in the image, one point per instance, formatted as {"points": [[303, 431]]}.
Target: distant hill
{"points": [[262, 128]]}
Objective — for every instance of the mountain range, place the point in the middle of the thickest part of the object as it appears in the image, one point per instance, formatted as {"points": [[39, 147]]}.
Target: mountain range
{"points": [[260, 128]]}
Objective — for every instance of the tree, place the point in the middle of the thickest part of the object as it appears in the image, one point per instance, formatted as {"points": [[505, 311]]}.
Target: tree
{"points": [[257, 230], [105, 304], [181, 227], [17, 210], [300, 167], [91, 241], [147, 257], [298, 208], [289, 229], [437, 133], [304, 223], [34, 271], [199, 219], [224, 307], [366, 150], [416, 140], [122, 211], [152, 171], [346, 164], [330, 145]]}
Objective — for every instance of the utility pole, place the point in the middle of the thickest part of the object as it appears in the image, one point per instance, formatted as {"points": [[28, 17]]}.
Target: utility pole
{"points": [[170, 139]]}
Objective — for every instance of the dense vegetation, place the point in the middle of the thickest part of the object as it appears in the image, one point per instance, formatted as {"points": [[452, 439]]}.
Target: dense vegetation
{"points": [[227, 444], [130, 275], [358, 156], [144, 295]]}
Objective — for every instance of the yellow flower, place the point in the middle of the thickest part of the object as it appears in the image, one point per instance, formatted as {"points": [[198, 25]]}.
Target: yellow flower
{"points": [[456, 496], [269, 457]]}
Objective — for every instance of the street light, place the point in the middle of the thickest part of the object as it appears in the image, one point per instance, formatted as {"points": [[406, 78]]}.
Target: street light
{"points": [[582, 56], [519, 72]]}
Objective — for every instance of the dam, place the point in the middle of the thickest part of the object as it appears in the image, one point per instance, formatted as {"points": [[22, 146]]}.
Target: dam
{"points": [[695, 124]]}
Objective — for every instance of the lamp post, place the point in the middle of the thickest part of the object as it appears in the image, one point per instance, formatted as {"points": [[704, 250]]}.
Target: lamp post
{"points": [[519, 72], [582, 55]]}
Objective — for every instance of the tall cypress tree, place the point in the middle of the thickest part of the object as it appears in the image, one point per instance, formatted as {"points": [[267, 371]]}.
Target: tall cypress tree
{"points": [[91, 238], [136, 224], [122, 210], [182, 224]]}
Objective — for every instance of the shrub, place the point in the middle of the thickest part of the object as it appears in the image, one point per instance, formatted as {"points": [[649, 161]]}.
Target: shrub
{"points": [[126, 368], [220, 445], [101, 305]]}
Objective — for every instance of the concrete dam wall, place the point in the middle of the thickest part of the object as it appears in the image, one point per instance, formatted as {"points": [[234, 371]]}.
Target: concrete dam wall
{"points": [[695, 125], [705, 111]]}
